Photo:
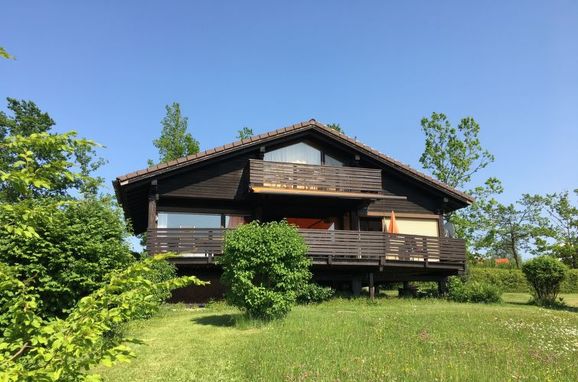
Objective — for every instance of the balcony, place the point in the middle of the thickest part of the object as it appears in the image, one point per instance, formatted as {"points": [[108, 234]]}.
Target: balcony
{"points": [[339, 247], [312, 180]]}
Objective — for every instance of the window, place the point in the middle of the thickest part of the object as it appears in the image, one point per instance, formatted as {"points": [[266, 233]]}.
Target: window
{"points": [[370, 224], [232, 221], [188, 220], [414, 226], [331, 161], [194, 220], [301, 153], [297, 153]]}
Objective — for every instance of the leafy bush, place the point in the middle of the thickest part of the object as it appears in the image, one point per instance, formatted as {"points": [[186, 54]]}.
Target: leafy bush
{"points": [[513, 280], [312, 293], [570, 283], [75, 247], [265, 265], [35, 349], [545, 274], [508, 280], [472, 291]]}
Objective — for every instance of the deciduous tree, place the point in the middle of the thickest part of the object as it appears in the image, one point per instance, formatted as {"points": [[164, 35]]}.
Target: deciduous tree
{"points": [[245, 133], [454, 155], [558, 233], [511, 228], [174, 142], [28, 146]]}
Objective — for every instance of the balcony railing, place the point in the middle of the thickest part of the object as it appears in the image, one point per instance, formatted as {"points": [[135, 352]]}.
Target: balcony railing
{"points": [[201, 245], [305, 177]]}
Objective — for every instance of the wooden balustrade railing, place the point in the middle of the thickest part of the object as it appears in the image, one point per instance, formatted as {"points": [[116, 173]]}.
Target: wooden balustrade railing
{"points": [[295, 176], [325, 246]]}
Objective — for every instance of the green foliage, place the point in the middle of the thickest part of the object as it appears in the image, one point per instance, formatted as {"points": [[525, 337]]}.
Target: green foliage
{"points": [[37, 163], [510, 228], [545, 274], [570, 283], [245, 133], [75, 246], [5, 54], [514, 281], [336, 127], [507, 280], [265, 265], [34, 349], [314, 293], [472, 291], [175, 142], [558, 232], [454, 155]]}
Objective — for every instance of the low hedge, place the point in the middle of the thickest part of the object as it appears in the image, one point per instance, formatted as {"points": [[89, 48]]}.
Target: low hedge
{"points": [[513, 280]]}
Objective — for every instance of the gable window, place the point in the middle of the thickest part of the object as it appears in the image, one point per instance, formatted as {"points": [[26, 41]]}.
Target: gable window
{"points": [[297, 153], [301, 153]]}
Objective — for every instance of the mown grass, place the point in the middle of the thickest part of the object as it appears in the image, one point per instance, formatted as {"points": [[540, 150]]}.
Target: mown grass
{"points": [[343, 340]]}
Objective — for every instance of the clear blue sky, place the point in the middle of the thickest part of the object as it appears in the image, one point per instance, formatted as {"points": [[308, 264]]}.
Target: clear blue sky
{"points": [[107, 68]]}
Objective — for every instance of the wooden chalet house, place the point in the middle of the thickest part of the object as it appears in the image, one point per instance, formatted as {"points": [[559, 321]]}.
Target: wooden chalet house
{"points": [[338, 191]]}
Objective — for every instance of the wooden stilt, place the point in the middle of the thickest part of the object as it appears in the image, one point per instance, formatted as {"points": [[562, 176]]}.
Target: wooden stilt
{"points": [[371, 287]]}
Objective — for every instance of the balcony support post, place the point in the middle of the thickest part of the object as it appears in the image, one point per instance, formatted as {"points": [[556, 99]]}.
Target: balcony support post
{"points": [[152, 213], [356, 286], [371, 287], [152, 216], [443, 286]]}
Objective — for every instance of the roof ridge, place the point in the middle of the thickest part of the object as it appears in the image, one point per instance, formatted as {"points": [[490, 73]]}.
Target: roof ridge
{"points": [[179, 162]]}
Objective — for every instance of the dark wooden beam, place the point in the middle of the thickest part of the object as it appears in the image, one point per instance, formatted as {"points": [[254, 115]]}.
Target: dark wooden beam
{"points": [[152, 210]]}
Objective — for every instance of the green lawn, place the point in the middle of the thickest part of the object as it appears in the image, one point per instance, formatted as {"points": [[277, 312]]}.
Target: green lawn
{"points": [[355, 340]]}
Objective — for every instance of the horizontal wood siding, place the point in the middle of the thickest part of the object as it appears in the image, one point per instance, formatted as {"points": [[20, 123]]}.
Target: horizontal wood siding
{"points": [[418, 200], [312, 177], [225, 180], [325, 247]]}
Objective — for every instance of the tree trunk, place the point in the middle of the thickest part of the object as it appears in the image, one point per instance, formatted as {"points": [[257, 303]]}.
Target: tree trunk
{"points": [[515, 253]]}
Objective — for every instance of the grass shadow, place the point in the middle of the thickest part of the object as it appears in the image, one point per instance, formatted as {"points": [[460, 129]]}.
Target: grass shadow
{"points": [[559, 307], [220, 320]]}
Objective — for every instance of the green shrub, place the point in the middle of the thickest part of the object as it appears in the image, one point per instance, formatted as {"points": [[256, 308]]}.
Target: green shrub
{"points": [[570, 283], [508, 280], [36, 349], [77, 246], [514, 281], [312, 293], [265, 265], [545, 274], [472, 291]]}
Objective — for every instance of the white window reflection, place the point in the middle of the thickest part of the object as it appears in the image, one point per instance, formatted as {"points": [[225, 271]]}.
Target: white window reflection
{"points": [[188, 220], [297, 153], [195, 220]]}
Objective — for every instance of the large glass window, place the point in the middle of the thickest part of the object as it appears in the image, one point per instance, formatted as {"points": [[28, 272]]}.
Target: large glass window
{"points": [[301, 153], [331, 161], [414, 226], [297, 153], [194, 220], [188, 220]]}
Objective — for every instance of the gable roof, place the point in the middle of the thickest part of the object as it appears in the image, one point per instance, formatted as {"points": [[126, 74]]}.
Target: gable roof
{"points": [[259, 139]]}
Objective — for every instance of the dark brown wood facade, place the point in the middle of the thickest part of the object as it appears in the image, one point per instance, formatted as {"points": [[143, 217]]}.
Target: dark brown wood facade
{"points": [[352, 198]]}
